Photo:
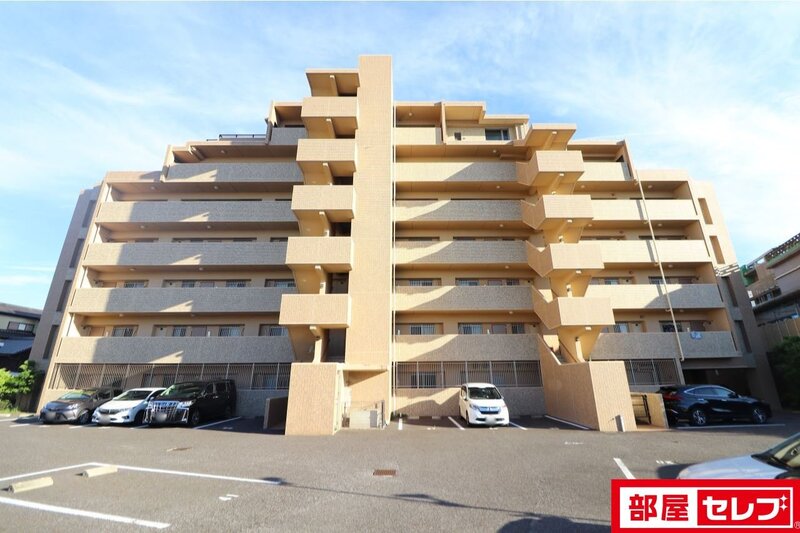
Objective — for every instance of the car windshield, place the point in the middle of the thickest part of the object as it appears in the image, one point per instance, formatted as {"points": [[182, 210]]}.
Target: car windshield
{"points": [[133, 395], [484, 393], [786, 453], [182, 389], [77, 395]]}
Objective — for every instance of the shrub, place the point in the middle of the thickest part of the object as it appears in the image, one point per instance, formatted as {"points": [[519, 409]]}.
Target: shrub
{"points": [[12, 386], [785, 361]]}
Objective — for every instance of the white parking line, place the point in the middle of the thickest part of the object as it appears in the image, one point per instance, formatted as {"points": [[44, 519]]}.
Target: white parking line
{"points": [[81, 427], [733, 426], [562, 421], [31, 474], [456, 423], [85, 514], [193, 474], [517, 426], [399, 424], [22, 426], [217, 423], [628, 474]]}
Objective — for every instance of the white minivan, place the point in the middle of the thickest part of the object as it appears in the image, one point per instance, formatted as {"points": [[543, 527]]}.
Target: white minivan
{"points": [[482, 404]]}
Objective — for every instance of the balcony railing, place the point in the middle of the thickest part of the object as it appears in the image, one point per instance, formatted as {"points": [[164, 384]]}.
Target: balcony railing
{"points": [[250, 173], [461, 172], [419, 213], [556, 312], [168, 254], [465, 347], [697, 345], [179, 213], [660, 210], [487, 254], [568, 258], [699, 296], [467, 299], [549, 168], [557, 210], [643, 252], [322, 310]]}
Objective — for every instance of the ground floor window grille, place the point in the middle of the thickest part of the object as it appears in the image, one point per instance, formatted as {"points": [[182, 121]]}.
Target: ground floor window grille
{"points": [[651, 371], [444, 374], [248, 376]]}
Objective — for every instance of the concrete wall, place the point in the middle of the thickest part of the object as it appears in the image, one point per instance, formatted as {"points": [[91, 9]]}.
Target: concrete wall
{"points": [[314, 399]]}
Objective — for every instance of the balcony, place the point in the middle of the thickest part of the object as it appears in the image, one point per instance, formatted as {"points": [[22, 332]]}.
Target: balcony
{"points": [[328, 117], [318, 206], [559, 312], [635, 297], [178, 300], [503, 347], [448, 254], [631, 253], [446, 214], [456, 175], [417, 136], [176, 215], [333, 82], [565, 258], [184, 256], [334, 254], [548, 169], [287, 136], [555, 211], [246, 176], [707, 344], [138, 350], [330, 311], [464, 299], [322, 159], [615, 213], [601, 171]]}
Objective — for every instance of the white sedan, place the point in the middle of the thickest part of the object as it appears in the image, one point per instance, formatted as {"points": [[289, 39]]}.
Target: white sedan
{"points": [[127, 408], [482, 404], [780, 461]]}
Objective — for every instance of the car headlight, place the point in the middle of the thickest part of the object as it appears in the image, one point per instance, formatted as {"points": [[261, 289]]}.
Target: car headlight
{"points": [[474, 407], [71, 408], [185, 405]]}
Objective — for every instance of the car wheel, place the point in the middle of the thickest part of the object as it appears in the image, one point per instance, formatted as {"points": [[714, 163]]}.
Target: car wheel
{"points": [[194, 418], [758, 415], [139, 418], [84, 418], [698, 417]]}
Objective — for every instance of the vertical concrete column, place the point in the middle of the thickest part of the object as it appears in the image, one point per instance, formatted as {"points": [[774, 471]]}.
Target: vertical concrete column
{"points": [[369, 336], [313, 407]]}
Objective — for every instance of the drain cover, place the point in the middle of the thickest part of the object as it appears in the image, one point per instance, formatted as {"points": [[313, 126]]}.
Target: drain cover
{"points": [[179, 449], [389, 473]]}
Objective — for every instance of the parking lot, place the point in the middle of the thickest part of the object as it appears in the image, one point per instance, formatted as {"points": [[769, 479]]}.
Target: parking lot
{"points": [[536, 475]]}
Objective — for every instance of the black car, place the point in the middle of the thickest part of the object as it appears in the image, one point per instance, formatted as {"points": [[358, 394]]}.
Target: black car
{"points": [[701, 404], [191, 402]]}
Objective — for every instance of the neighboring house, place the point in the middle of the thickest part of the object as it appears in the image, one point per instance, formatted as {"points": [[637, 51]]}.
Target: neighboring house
{"points": [[369, 255], [773, 284], [18, 326]]}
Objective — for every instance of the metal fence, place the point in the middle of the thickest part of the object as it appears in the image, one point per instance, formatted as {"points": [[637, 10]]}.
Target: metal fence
{"points": [[651, 371], [444, 374], [248, 376]]}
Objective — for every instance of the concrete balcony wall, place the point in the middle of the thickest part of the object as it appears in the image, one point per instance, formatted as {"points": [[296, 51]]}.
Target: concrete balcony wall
{"points": [[634, 210], [605, 171], [174, 212], [287, 136], [287, 172], [323, 310], [135, 350], [455, 171], [584, 256], [701, 296], [333, 199], [331, 252], [484, 253], [164, 300], [330, 107], [657, 345], [458, 211], [631, 252], [545, 165], [165, 254], [326, 151], [484, 298], [557, 312], [417, 136], [503, 347], [553, 210], [663, 174]]}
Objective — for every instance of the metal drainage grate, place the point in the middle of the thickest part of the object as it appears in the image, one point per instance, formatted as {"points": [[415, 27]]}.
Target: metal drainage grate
{"points": [[179, 449], [386, 473]]}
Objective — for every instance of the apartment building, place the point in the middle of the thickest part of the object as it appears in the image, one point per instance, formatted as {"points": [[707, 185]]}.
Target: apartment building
{"points": [[368, 255]]}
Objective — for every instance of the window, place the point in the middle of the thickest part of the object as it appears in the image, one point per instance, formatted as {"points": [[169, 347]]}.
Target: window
{"points": [[76, 253], [512, 282], [135, 284], [179, 331], [467, 282], [461, 238], [655, 280], [499, 329], [188, 284], [669, 327], [610, 281], [282, 283], [469, 329], [230, 331], [51, 339], [206, 284], [497, 135], [621, 327], [457, 135], [62, 300], [495, 282], [272, 330], [422, 329], [87, 216], [279, 239], [123, 331], [236, 283], [20, 326], [518, 328], [420, 282], [199, 331]]}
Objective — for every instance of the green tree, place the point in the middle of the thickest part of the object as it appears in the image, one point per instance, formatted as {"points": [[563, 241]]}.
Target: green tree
{"points": [[12, 386], [785, 361]]}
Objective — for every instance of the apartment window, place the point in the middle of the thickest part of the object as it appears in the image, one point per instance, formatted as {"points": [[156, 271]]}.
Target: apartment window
{"points": [[512, 282], [743, 333], [272, 330], [199, 331], [518, 328], [62, 299], [179, 331], [621, 327], [495, 282], [457, 135], [236, 283], [416, 239], [230, 331], [279, 239], [460, 238], [655, 280], [51, 339], [469, 329], [87, 216], [497, 135], [123, 331], [498, 329], [206, 284], [422, 329], [467, 282], [134, 284], [420, 282], [280, 283], [20, 326], [188, 284], [669, 327], [76, 253]]}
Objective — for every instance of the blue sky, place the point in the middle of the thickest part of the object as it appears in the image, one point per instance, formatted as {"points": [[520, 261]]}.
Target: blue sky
{"points": [[86, 88]]}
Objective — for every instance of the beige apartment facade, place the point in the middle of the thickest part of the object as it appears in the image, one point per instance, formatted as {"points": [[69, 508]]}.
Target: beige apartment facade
{"points": [[367, 256]]}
